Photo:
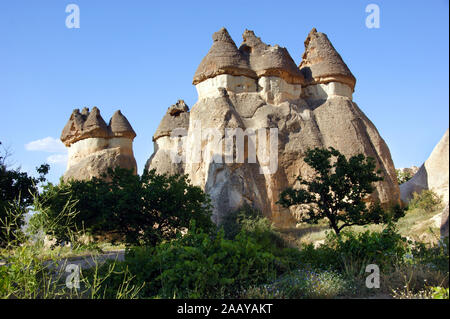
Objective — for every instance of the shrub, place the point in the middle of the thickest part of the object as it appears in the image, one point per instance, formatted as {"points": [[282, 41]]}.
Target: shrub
{"points": [[142, 210], [440, 293], [251, 223], [352, 252], [434, 256], [427, 200], [17, 191], [199, 265], [235, 220]]}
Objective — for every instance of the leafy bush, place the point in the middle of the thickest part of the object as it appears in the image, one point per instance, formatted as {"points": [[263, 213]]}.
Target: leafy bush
{"points": [[434, 256], [352, 252], [235, 220], [17, 191], [440, 293], [199, 265], [427, 200], [251, 223], [138, 209]]}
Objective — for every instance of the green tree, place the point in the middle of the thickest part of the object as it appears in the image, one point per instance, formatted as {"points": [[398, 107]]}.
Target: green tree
{"points": [[403, 176], [17, 191], [338, 191], [142, 209]]}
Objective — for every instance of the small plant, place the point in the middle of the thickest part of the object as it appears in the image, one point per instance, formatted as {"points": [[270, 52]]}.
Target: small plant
{"points": [[440, 293]]}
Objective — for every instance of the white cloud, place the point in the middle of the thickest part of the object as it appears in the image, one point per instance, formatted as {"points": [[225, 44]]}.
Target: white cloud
{"points": [[48, 144], [57, 159]]}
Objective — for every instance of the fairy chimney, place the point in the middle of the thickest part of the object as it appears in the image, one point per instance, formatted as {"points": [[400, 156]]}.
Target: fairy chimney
{"points": [[93, 146]]}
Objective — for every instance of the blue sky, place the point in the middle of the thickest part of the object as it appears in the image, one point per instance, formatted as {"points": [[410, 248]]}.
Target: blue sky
{"points": [[140, 57]]}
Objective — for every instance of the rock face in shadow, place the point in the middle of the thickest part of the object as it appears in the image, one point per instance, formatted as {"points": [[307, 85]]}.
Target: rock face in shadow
{"points": [[258, 90], [433, 174], [444, 222], [94, 147]]}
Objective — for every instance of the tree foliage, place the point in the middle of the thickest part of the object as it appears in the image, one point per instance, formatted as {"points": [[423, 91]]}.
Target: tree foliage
{"points": [[142, 209], [17, 191], [338, 191], [403, 176]]}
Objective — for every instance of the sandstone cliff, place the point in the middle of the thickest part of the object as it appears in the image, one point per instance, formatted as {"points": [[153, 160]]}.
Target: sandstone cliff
{"points": [[433, 174], [282, 109], [94, 146]]}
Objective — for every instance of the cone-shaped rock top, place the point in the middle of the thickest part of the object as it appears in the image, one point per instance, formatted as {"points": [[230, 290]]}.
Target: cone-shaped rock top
{"points": [[177, 116], [94, 124], [120, 126], [268, 60], [223, 58], [90, 124], [321, 63]]}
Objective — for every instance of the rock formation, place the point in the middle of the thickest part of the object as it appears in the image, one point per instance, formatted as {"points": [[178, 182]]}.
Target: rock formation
{"points": [[444, 222], [433, 174], [281, 109], [94, 146], [176, 118]]}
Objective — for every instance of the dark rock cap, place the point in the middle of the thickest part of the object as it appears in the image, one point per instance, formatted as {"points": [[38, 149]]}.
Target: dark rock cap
{"points": [[321, 63], [84, 125], [91, 125], [120, 127], [177, 116], [94, 126], [268, 60], [223, 58]]}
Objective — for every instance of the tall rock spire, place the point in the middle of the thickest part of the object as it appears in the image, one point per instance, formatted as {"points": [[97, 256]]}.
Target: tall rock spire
{"points": [[223, 58], [321, 63], [268, 60]]}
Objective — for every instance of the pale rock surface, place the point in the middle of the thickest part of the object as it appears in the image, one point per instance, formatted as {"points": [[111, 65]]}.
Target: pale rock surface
{"points": [[433, 174], [306, 114]]}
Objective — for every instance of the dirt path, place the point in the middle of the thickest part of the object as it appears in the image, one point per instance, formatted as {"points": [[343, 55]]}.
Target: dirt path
{"points": [[88, 261]]}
